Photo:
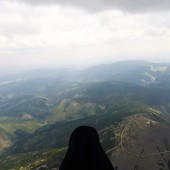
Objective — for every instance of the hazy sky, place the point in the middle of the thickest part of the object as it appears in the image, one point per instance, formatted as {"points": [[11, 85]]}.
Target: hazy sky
{"points": [[80, 32]]}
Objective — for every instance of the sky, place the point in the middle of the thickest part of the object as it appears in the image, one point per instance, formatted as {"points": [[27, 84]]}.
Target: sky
{"points": [[77, 33]]}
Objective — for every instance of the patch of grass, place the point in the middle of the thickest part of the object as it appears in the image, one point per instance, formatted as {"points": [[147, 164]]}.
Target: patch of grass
{"points": [[69, 109], [12, 126], [33, 160], [4, 119]]}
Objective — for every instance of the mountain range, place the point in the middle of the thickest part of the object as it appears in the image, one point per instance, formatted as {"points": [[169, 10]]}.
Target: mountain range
{"points": [[127, 102]]}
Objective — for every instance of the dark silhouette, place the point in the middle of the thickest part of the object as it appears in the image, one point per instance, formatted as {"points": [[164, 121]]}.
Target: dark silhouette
{"points": [[85, 151]]}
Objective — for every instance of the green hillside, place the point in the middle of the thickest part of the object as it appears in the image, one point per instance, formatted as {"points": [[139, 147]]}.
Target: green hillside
{"points": [[48, 144]]}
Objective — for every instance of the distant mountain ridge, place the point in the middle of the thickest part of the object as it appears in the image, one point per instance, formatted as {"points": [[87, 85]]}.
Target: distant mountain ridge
{"points": [[138, 72]]}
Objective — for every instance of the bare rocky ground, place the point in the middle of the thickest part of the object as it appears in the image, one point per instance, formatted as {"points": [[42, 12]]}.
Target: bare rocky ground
{"points": [[45, 167], [144, 145]]}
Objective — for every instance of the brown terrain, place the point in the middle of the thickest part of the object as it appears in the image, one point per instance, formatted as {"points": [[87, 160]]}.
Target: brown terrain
{"points": [[142, 144]]}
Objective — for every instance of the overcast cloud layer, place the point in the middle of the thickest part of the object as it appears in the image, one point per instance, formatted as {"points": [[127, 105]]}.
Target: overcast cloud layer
{"points": [[43, 33], [98, 5]]}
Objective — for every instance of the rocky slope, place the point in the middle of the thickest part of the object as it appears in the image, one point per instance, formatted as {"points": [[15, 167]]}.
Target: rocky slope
{"points": [[144, 144]]}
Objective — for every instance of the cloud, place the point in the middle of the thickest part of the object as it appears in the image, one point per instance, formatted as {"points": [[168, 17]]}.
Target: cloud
{"points": [[100, 5], [35, 33]]}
